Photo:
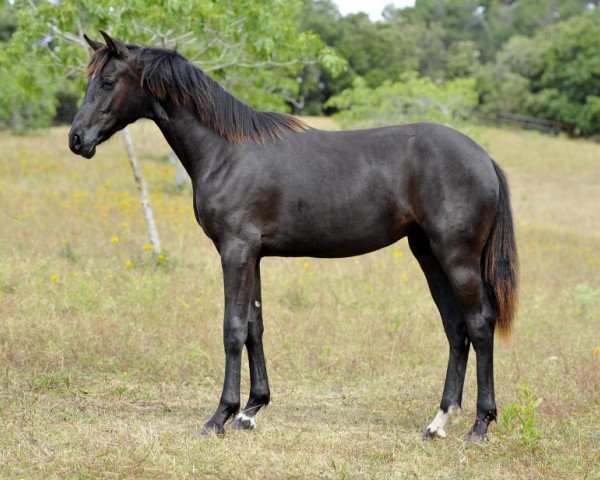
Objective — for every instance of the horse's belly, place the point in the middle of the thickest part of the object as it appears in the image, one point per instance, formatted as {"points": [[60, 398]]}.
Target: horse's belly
{"points": [[329, 236]]}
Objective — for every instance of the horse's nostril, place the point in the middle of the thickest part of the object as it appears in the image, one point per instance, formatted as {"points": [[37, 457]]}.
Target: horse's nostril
{"points": [[75, 142]]}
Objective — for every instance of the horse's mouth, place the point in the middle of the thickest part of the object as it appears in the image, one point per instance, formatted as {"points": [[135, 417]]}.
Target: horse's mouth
{"points": [[89, 152]]}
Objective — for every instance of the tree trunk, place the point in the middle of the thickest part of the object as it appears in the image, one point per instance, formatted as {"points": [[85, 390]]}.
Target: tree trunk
{"points": [[180, 173], [17, 120], [145, 200]]}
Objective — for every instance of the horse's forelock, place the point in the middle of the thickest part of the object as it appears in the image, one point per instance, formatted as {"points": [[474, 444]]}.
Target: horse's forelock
{"points": [[98, 61]]}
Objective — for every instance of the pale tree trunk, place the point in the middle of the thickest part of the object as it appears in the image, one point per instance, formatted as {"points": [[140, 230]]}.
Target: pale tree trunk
{"points": [[180, 172], [17, 121], [145, 200]]}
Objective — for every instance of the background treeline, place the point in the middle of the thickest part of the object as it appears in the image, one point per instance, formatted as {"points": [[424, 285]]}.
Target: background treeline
{"points": [[442, 60], [531, 57]]}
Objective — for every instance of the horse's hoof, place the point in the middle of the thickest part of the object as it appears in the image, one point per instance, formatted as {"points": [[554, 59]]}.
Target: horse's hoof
{"points": [[243, 422], [211, 429], [474, 437], [429, 434]]}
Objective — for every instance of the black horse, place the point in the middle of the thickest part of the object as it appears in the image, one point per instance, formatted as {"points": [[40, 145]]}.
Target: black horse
{"points": [[266, 184]]}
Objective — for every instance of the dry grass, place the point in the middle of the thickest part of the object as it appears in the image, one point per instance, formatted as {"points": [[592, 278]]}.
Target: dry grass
{"points": [[110, 362]]}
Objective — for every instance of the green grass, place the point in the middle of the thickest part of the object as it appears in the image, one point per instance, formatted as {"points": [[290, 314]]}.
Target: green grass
{"points": [[110, 363]]}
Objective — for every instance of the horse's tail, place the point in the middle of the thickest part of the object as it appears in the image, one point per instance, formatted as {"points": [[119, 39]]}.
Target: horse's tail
{"points": [[500, 261]]}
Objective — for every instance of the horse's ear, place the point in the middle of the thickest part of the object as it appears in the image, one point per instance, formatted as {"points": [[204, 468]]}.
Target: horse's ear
{"points": [[95, 44], [119, 48]]}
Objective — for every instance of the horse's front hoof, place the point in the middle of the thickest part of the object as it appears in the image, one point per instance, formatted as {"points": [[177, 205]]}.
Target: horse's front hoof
{"points": [[474, 437], [211, 429], [243, 422]]}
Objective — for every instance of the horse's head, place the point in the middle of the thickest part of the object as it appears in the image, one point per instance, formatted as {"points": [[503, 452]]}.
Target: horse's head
{"points": [[113, 98]]}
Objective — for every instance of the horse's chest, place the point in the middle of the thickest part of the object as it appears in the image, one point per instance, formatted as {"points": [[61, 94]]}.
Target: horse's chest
{"points": [[206, 216], [218, 218]]}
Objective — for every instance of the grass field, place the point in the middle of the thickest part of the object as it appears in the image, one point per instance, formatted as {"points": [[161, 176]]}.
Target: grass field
{"points": [[111, 360]]}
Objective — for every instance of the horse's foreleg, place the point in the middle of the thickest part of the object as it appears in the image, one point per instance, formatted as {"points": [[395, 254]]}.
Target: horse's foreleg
{"points": [[238, 260], [456, 330], [259, 383]]}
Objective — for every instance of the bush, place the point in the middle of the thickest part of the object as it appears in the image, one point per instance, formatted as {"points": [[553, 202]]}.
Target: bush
{"points": [[411, 99]]}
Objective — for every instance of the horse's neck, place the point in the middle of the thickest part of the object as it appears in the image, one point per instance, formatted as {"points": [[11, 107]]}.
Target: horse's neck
{"points": [[197, 146]]}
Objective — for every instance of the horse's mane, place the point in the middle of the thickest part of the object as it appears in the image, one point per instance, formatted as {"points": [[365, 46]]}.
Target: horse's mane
{"points": [[170, 77]]}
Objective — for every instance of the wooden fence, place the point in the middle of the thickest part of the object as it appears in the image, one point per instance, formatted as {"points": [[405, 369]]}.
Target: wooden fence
{"points": [[542, 124]]}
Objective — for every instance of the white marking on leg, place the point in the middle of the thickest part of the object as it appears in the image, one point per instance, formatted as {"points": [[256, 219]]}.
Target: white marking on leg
{"points": [[245, 418], [438, 426], [256, 303]]}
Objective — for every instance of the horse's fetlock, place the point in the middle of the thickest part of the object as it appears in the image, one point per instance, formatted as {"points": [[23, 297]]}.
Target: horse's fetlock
{"points": [[260, 397], [230, 407]]}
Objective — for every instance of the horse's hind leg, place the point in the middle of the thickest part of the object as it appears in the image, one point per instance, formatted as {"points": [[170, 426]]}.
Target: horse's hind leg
{"points": [[461, 261], [456, 331], [259, 383]]}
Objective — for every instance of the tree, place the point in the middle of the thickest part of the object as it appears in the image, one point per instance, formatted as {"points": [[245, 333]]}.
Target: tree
{"points": [[375, 51], [253, 48], [556, 71], [505, 19]]}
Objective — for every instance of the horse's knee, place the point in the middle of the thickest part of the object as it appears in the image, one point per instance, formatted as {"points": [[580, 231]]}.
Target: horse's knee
{"points": [[234, 336]]}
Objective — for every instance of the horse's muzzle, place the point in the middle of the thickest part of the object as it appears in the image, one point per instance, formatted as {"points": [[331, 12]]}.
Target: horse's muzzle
{"points": [[79, 147]]}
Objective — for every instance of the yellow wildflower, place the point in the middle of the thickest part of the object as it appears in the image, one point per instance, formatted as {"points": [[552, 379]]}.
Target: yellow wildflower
{"points": [[115, 240], [54, 278]]}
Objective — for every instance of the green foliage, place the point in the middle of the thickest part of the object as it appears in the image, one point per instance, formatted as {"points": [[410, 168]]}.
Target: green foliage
{"points": [[8, 22], [382, 51], [457, 20], [506, 45], [27, 99], [534, 57], [518, 419], [411, 99], [552, 75], [57, 381], [508, 95], [254, 48]]}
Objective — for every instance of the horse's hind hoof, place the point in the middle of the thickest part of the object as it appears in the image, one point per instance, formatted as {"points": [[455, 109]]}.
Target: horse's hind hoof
{"points": [[243, 422], [474, 437], [429, 434], [211, 429]]}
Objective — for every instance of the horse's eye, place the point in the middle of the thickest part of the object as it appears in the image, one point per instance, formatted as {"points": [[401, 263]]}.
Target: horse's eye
{"points": [[108, 83]]}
